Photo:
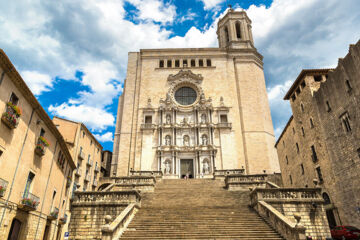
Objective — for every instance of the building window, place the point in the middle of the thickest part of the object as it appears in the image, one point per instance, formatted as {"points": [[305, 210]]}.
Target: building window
{"points": [[226, 35], [177, 63], [208, 62], [303, 84], [223, 118], [91, 142], [201, 63], [185, 64], [293, 129], [320, 177], [303, 131], [238, 30], [283, 143], [297, 148], [348, 86], [61, 160], [291, 182], [317, 78], [358, 152], [14, 99], [28, 185], [328, 108], [302, 107], [148, 119], [83, 132], [161, 63], [298, 91], [313, 154], [302, 169], [287, 160], [193, 62], [346, 122], [293, 97], [42, 132], [169, 63], [185, 96], [311, 123], [1, 152]]}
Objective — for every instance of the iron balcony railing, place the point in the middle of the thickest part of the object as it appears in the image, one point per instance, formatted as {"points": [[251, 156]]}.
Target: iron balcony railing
{"points": [[30, 201], [54, 213]]}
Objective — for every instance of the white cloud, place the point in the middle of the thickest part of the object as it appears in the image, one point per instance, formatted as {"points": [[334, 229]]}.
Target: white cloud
{"points": [[94, 118], [188, 16], [208, 4], [37, 82], [155, 10], [278, 91], [106, 137]]}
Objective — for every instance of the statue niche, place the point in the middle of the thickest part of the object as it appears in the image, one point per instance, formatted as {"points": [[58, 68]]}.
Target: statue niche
{"points": [[203, 118], [167, 169], [205, 166], [204, 139], [186, 140], [168, 119], [168, 140]]}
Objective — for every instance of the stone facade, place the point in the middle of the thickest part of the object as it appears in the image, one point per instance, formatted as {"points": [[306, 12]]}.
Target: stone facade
{"points": [[191, 111], [87, 153], [320, 140], [106, 157], [36, 165]]}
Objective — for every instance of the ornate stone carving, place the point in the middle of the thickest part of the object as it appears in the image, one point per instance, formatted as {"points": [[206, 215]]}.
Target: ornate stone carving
{"points": [[204, 139], [186, 75], [167, 169], [168, 140], [168, 119], [205, 166], [186, 140], [203, 118]]}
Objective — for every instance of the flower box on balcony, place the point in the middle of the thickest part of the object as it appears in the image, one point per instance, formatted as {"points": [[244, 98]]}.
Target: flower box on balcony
{"points": [[11, 116], [63, 219], [3, 186], [29, 202], [54, 214], [41, 146]]}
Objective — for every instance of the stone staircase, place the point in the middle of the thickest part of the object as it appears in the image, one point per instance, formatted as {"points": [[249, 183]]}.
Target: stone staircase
{"points": [[197, 209]]}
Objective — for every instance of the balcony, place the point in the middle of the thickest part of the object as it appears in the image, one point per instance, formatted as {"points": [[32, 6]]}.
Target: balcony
{"points": [[147, 126], [3, 187], [11, 116], [89, 163], [81, 155], [87, 178], [29, 202], [78, 172], [96, 168], [224, 125], [41, 146], [54, 213], [95, 183], [63, 219]]}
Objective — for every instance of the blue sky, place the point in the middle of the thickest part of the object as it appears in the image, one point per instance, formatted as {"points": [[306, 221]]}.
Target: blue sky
{"points": [[73, 54]]}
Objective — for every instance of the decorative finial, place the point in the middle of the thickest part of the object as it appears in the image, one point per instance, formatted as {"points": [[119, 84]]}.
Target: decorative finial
{"points": [[230, 6]]}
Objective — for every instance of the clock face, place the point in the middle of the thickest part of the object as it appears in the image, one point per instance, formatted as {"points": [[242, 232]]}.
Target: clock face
{"points": [[185, 96]]}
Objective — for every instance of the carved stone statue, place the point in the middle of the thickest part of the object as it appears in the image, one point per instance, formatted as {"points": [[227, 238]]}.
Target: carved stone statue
{"points": [[203, 118], [149, 103], [168, 119], [206, 167], [168, 167], [186, 140], [204, 139], [222, 101], [167, 140]]}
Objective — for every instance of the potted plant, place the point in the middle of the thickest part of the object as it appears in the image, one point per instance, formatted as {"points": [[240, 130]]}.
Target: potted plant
{"points": [[41, 145], [2, 191], [11, 116]]}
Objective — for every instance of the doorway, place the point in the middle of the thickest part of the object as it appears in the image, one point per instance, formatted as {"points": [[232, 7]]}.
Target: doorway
{"points": [[186, 168], [14, 230]]}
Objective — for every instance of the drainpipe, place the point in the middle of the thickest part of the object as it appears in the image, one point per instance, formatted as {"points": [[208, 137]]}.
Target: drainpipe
{"points": [[47, 183], [17, 167]]}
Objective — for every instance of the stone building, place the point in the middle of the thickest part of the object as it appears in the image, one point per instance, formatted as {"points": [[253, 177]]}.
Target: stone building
{"points": [[36, 165], [321, 139], [106, 157], [86, 151], [189, 111]]}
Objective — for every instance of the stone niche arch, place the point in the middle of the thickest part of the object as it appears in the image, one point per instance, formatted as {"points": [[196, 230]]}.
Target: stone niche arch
{"points": [[204, 139], [167, 140], [205, 166]]}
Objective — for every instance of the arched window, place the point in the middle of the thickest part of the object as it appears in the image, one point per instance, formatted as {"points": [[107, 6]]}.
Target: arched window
{"points": [[326, 198], [238, 30], [227, 35]]}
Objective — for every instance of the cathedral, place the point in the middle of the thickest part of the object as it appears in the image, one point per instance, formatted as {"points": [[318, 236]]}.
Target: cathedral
{"points": [[188, 111]]}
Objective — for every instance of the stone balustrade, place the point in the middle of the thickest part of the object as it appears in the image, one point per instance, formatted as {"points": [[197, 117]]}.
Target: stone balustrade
{"points": [[115, 229], [239, 182], [105, 198], [157, 174], [278, 195], [283, 207], [221, 174], [288, 229]]}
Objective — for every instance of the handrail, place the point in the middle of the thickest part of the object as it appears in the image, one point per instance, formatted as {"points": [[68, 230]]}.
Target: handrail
{"points": [[286, 227], [115, 229], [271, 185]]}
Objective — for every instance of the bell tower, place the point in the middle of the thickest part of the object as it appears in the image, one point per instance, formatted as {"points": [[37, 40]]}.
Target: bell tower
{"points": [[234, 31]]}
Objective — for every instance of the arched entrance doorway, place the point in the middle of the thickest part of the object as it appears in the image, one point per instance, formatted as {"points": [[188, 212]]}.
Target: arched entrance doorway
{"points": [[14, 230], [329, 210]]}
